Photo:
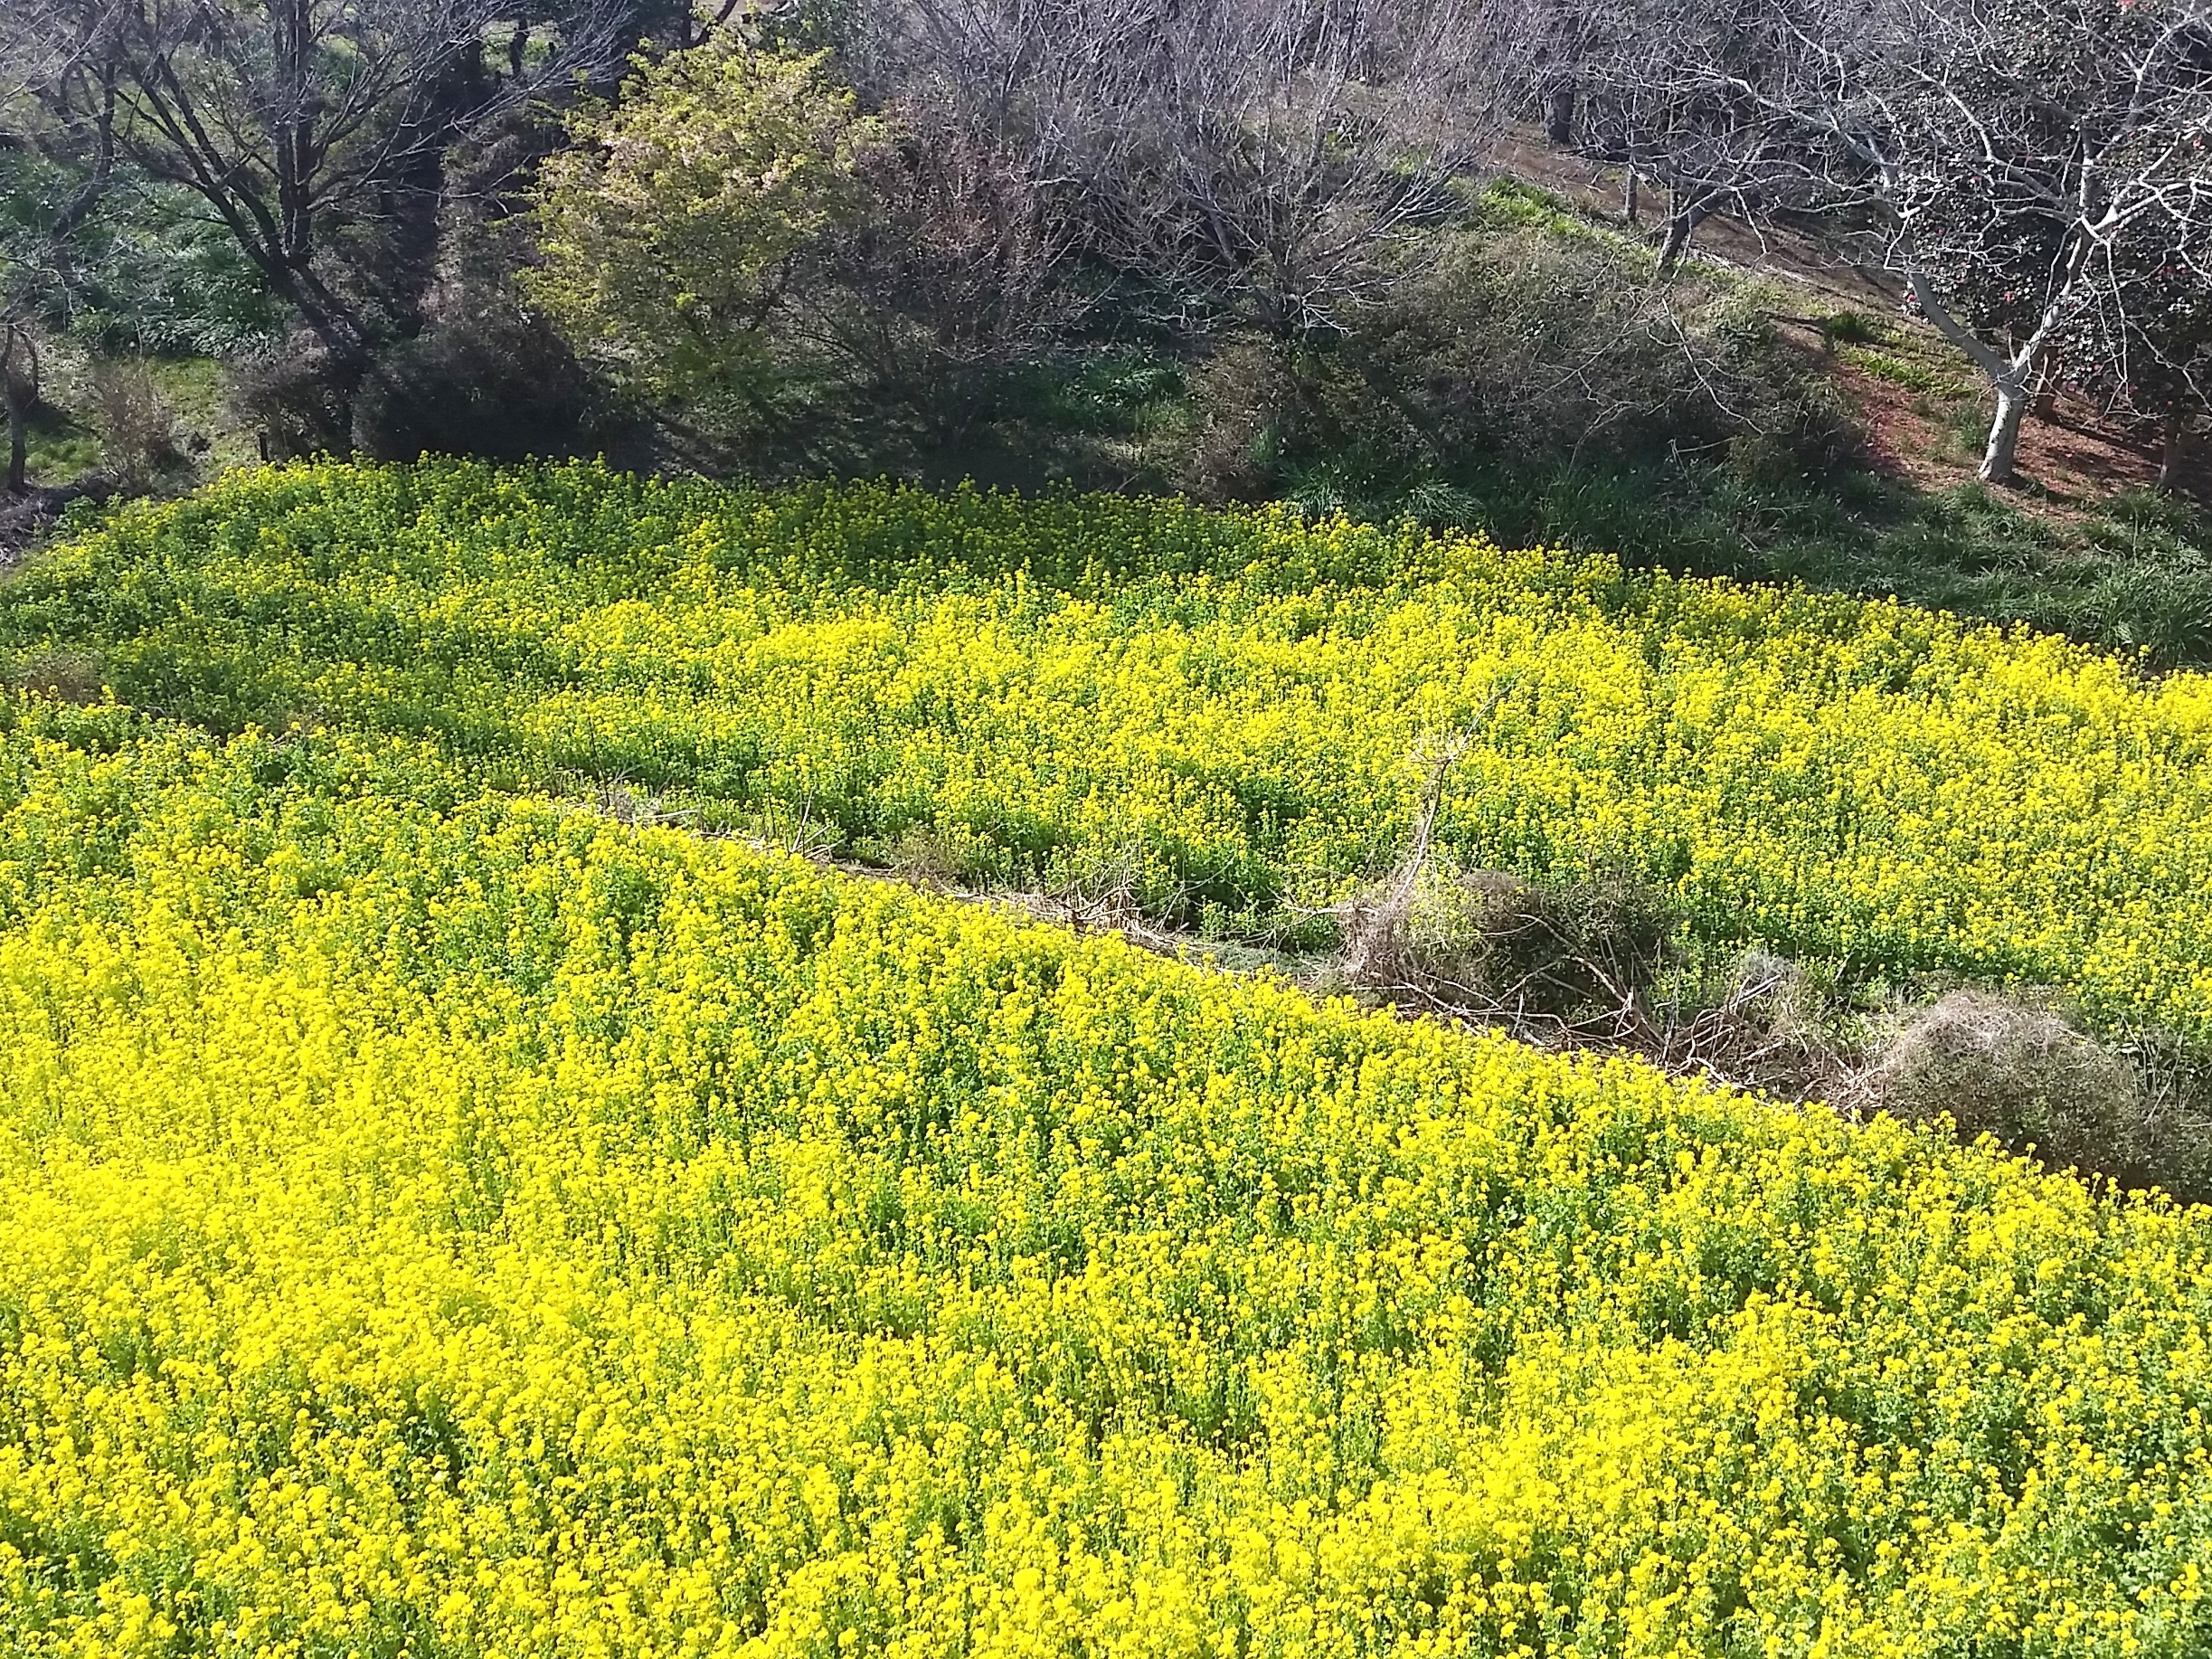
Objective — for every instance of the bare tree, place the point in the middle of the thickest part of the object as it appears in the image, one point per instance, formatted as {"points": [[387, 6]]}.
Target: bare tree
{"points": [[1998, 157], [1283, 151], [292, 118], [1262, 157], [959, 271], [1659, 90], [36, 238], [29, 57], [2141, 344]]}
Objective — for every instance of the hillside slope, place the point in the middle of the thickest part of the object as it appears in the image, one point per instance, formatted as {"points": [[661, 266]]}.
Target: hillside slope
{"points": [[1240, 711], [447, 1224]]}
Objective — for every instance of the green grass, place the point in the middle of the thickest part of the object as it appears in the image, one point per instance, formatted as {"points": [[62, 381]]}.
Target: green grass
{"points": [[2135, 576], [65, 442], [1903, 371], [61, 448]]}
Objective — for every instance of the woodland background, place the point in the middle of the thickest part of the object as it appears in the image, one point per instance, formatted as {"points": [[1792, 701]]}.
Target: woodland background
{"points": [[1896, 295]]}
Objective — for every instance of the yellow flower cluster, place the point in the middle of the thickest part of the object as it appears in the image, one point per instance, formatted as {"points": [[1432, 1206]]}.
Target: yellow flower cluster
{"points": [[1232, 705], [446, 1224]]}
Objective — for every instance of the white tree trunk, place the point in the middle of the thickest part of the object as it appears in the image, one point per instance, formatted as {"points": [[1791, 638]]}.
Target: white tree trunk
{"points": [[2004, 444]]}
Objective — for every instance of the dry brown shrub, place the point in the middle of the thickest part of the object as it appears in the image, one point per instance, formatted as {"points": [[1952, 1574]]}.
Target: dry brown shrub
{"points": [[1773, 1030], [139, 431], [1587, 964], [1099, 896], [67, 677], [616, 801], [945, 858], [1571, 962], [1576, 961], [2017, 1069]]}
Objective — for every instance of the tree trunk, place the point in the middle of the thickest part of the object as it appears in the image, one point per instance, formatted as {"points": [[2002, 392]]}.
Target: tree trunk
{"points": [[18, 445], [2170, 450], [1681, 226], [1627, 197], [16, 398], [2004, 445], [2045, 405], [1559, 126]]}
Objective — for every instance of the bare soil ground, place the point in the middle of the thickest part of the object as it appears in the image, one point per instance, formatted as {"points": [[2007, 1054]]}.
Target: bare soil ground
{"points": [[2072, 455]]}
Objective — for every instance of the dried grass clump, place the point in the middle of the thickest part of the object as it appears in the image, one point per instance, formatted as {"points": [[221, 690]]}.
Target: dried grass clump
{"points": [[1591, 964], [624, 805], [140, 438], [1576, 961], [924, 856], [1774, 1028], [1101, 894], [2015, 1068], [67, 677]]}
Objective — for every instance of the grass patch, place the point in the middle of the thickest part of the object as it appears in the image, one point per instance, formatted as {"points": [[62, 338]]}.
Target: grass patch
{"points": [[2133, 576], [1902, 372]]}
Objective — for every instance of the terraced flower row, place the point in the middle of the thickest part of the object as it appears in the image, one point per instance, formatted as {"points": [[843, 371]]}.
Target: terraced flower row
{"points": [[442, 1223], [1238, 708]]}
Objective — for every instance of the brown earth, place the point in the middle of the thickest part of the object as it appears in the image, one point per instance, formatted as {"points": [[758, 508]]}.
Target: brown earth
{"points": [[2072, 456]]}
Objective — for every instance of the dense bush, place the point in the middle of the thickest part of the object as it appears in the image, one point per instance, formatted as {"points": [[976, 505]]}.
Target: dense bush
{"points": [[296, 400], [1529, 341], [1545, 339], [502, 387], [668, 234]]}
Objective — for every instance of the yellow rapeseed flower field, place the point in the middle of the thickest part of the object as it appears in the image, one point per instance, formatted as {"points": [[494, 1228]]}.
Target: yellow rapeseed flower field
{"points": [[440, 1222], [1233, 706]]}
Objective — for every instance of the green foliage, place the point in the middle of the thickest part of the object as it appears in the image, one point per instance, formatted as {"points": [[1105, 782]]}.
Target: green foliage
{"points": [[1527, 344], [1852, 327], [669, 229], [166, 281], [1902, 372], [1510, 203], [145, 272]]}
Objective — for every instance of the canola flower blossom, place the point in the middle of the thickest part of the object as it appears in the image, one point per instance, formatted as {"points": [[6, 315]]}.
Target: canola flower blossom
{"points": [[1231, 706], [447, 1223]]}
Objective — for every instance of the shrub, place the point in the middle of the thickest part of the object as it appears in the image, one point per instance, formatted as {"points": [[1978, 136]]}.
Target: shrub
{"points": [[140, 442], [667, 233], [501, 387], [2023, 1073], [1548, 960], [1541, 345], [1239, 397], [296, 400], [932, 304]]}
